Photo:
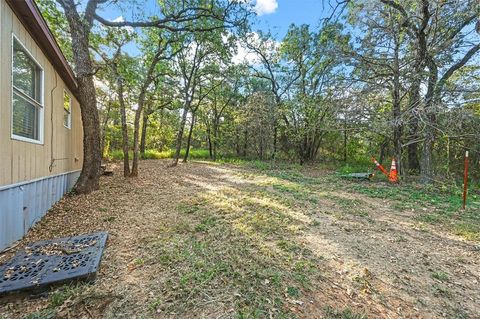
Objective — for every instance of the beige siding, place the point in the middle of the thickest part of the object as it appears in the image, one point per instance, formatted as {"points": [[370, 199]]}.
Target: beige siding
{"points": [[22, 161]]}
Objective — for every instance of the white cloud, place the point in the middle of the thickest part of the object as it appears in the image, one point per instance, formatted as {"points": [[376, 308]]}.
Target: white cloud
{"points": [[122, 19], [119, 19], [265, 6], [241, 54], [244, 55]]}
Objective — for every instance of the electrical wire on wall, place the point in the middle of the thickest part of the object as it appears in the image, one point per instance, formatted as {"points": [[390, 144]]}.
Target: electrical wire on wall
{"points": [[52, 160]]}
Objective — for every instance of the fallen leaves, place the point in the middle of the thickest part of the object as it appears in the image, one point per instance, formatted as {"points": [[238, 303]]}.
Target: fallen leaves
{"points": [[139, 212]]}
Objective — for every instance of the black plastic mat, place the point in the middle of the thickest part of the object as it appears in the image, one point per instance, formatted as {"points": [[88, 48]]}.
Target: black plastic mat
{"points": [[53, 261]]}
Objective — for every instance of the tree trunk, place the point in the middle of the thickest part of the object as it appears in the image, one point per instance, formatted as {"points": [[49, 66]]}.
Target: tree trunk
{"points": [[245, 142], [104, 128], [396, 109], [136, 134], [215, 138], [92, 157], [260, 154], [125, 143], [345, 138], [447, 168], [144, 134], [303, 150], [316, 145], [178, 144], [138, 113], [427, 158], [275, 125], [414, 98], [189, 139], [430, 119], [275, 133], [237, 142], [209, 140], [414, 106], [210, 146], [383, 148]]}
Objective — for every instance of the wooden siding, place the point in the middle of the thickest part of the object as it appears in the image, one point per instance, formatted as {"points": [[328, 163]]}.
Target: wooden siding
{"points": [[62, 149]]}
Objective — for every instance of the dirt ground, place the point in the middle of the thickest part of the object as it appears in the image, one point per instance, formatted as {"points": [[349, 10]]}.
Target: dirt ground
{"points": [[205, 240]]}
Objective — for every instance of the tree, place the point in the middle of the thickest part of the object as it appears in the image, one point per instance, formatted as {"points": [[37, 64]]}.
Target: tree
{"points": [[161, 52], [313, 59], [442, 28], [273, 71], [174, 17], [196, 63], [381, 65], [223, 94], [160, 97], [189, 63], [80, 28], [119, 70]]}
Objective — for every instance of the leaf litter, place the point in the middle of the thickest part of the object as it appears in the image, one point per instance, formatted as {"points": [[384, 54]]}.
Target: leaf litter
{"points": [[224, 241]]}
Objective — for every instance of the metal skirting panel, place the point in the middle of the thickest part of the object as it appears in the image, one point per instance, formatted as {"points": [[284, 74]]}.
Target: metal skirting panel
{"points": [[22, 205]]}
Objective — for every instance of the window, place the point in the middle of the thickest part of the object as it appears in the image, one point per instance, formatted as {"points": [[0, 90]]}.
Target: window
{"points": [[27, 107], [67, 110]]}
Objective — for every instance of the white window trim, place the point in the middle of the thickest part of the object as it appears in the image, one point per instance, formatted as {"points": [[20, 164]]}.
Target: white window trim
{"points": [[63, 110], [41, 116]]}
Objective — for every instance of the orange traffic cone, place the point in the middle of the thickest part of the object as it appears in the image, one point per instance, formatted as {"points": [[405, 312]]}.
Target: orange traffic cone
{"points": [[393, 176], [380, 167]]}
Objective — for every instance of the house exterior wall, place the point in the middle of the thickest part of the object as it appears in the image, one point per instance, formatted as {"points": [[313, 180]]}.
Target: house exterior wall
{"points": [[23, 161], [33, 176]]}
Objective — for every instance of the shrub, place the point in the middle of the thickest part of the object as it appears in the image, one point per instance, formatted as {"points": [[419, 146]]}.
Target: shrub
{"points": [[155, 154]]}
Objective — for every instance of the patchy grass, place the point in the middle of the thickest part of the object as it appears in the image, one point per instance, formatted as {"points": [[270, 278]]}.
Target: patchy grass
{"points": [[227, 256], [74, 295], [468, 230], [431, 204], [440, 290], [43, 314], [262, 240], [354, 168], [343, 314], [59, 296], [440, 275]]}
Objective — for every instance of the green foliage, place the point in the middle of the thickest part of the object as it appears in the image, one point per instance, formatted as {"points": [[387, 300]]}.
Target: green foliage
{"points": [[153, 154], [58, 25], [260, 165], [309, 96], [354, 168], [199, 154]]}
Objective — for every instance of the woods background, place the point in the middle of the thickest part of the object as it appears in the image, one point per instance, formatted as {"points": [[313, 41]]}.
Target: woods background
{"points": [[378, 77]]}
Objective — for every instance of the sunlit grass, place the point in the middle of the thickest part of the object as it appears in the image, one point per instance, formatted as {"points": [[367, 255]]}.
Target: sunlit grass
{"points": [[244, 243], [156, 154]]}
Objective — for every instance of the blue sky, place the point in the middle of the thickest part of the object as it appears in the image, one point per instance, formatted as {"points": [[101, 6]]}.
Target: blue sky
{"points": [[292, 11], [273, 15]]}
